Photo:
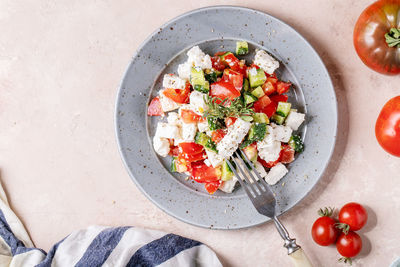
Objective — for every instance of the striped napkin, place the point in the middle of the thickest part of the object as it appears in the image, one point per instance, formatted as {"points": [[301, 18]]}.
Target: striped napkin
{"points": [[99, 246]]}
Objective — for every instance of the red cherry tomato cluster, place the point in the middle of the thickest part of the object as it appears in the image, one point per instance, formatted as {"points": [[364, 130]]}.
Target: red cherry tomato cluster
{"points": [[326, 230]]}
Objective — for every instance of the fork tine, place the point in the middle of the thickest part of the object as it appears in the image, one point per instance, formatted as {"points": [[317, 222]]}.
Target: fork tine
{"points": [[242, 183], [265, 184], [249, 184], [262, 189]]}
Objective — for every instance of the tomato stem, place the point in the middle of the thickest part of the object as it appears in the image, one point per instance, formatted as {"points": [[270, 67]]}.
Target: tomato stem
{"points": [[393, 37]]}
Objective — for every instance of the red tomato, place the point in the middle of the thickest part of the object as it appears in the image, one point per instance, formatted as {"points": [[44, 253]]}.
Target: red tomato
{"points": [[230, 121], [233, 77], [155, 108], [387, 127], [174, 151], [279, 98], [287, 154], [268, 164], [241, 68], [269, 88], [192, 157], [217, 135], [180, 96], [349, 245], [282, 87], [190, 148], [224, 90], [189, 116], [272, 79], [217, 63], [231, 60], [261, 103], [369, 38], [324, 231], [202, 173], [354, 215], [212, 186]]}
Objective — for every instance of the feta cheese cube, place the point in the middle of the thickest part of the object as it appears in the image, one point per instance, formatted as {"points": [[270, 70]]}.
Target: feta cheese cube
{"points": [[260, 169], [294, 120], [173, 81], [269, 149], [228, 186], [265, 61], [214, 158], [197, 58], [173, 119], [281, 133], [207, 162], [184, 70], [228, 145], [161, 146], [276, 173], [202, 126], [188, 131], [197, 101], [166, 103], [166, 130]]}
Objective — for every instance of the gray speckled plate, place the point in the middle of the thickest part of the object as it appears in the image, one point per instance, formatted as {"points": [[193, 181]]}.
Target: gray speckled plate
{"points": [[215, 29]]}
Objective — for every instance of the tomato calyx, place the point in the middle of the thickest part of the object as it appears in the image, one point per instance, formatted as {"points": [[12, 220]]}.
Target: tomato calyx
{"points": [[393, 37], [345, 260], [326, 212], [345, 228]]}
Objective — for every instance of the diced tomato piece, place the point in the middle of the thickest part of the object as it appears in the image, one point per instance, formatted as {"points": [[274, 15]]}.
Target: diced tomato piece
{"points": [[219, 53], [279, 98], [217, 135], [190, 148], [202, 173], [233, 77], [189, 116], [287, 154], [270, 109], [231, 60], [272, 79], [241, 68], [269, 88], [155, 108], [173, 151], [180, 96], [268, 164], [262, 103], [212, 187], [224, 90], [192, 157], [217, 63], [230, 121], [283, 87]]}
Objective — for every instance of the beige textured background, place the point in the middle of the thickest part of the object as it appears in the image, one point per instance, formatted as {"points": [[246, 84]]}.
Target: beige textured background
{"points": [[60, 66]]}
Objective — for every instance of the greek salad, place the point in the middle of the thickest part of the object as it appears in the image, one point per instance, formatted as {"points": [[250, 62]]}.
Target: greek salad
{"points": [[217, 104]]}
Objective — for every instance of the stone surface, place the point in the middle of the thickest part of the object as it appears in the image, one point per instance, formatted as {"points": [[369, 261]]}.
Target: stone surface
{"points": [[60, 66]]}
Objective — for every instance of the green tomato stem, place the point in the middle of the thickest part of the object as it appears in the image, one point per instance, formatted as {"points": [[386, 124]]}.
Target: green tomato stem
{"points": [[393, 37]]}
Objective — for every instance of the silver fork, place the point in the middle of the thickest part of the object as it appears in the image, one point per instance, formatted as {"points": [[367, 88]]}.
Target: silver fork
{"points": [[265, 203]]}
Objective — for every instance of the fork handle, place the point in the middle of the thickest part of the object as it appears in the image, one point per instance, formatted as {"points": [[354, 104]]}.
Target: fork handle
{"points": [[300, 259]]}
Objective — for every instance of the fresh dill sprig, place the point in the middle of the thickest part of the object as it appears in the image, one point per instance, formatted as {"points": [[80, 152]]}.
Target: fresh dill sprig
{"points": [[227, 108]]}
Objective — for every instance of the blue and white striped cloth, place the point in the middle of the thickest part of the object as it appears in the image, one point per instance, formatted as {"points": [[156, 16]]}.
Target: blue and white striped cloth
{"points": [[99, 246]]}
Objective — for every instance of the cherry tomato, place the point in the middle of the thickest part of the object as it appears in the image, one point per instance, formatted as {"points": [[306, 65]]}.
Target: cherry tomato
{"points": [[189, 116], [230, 121], [282, 87], [192, 157], [387, 127], [190, 148], [217, 63], [211, 187], [269, 88], [354, 215], [155, 108], [279, 98], [370, 41], [217, 135], [324, 231], [287, 154], [233, 77], [349, 245], [202, 173], [224, 90], [232, 61], [261, 103], [180, 96]]}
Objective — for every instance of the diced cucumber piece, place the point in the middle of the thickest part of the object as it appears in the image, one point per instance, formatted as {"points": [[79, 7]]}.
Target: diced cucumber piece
{"points": [[261, 117], [256, 77], [249, 98], [198, 81], [257, 131], [214, 123], [246, 85], [173, 164], [283, 109], [258, 92], [251, 153], [227, 173], [242, 48], [278, 118], [210, 75], [246, 118], [205, 140], [296, 143]]}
